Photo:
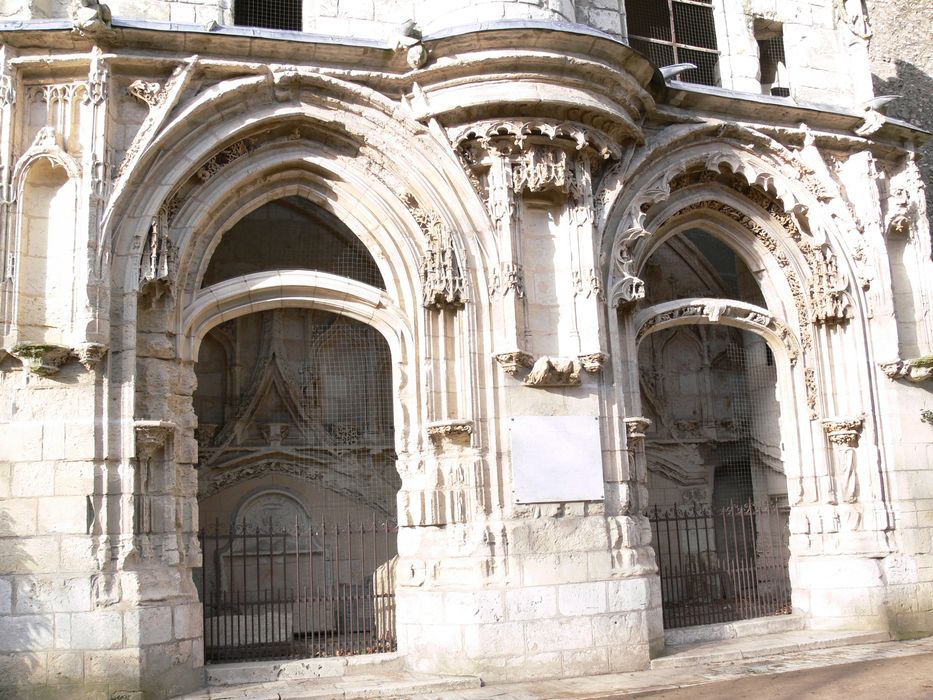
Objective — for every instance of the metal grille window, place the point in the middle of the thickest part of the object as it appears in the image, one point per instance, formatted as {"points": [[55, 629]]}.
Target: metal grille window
{"points": [[676, 31], [268, 14]]}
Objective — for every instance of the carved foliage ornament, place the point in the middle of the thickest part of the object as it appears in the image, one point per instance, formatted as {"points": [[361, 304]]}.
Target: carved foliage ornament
{"points": [[158, 261], [442, 279], [151, 93], [715, 310]]}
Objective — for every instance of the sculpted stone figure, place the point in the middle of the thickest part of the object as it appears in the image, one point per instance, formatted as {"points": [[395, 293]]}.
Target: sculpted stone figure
{"points": [[554, 371]]}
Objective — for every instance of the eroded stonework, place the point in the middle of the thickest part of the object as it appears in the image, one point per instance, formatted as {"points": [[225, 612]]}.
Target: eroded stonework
{"points": [[293, 279]]}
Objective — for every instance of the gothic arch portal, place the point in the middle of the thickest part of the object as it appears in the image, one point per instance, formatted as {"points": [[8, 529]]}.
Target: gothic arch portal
{"points": [[814, 310]]}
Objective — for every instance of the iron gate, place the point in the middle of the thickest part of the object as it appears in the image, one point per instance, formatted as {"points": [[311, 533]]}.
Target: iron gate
{"points": [[298, 591], [721, 564]]}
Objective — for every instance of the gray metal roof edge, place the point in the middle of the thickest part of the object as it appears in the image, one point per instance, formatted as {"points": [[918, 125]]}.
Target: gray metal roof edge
{"points": [[772, 101]]}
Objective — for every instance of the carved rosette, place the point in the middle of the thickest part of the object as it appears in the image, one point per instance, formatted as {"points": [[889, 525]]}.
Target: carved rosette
{"points": [[41, 359], [513, 362], [152, 436]]}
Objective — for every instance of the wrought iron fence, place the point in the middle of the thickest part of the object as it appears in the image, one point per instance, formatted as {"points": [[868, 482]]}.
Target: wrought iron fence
{"points": [[721, 564], [299, 590]]}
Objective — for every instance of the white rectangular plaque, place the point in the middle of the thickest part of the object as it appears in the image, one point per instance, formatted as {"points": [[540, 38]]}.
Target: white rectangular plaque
{"points": [[556, 458]]}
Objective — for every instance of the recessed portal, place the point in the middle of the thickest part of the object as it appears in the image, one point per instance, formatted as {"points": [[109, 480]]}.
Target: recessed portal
{"points": [[717, 488]]}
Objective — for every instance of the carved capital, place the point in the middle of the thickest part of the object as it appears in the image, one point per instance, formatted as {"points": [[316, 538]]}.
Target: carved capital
{"points": [[41, 359], [594, 361], [512, 362], [204, 434], [152, 436], [635, 427], [844, 431], [89, 354]]}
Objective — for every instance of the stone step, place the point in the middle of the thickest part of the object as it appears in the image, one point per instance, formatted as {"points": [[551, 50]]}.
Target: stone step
{"points": [[302, 669], [350, 687], [735, 630], [760, 646]]}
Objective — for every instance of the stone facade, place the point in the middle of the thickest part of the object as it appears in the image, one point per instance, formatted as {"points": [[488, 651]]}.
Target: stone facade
{"points": [[521, 185]]}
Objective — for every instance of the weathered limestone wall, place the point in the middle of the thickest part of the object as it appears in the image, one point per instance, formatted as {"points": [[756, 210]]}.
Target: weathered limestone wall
{"points": [[824, 39], [901, 64]]}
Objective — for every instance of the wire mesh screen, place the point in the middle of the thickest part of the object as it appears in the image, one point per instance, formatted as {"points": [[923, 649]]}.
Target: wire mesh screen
{"points": [[716, 482], [268, 14], [291, 233], [676, 31], [298, 486]]}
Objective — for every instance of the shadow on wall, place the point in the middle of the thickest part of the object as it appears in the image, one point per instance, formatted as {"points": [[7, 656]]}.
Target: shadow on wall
{"points": [[25, 633], [915, 105]]}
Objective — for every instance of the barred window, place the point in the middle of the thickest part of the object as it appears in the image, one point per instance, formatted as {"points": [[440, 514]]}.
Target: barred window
{"points": [[268, 14], [676, 31]]}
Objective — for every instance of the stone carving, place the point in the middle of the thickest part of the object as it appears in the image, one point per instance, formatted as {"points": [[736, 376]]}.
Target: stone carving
{"points": [[442, 279], [90, 354], [926, 416], [37, 358], [513, 362], [809, 380], [844, 432], [916, 370], [510, 277], [7, 90], [90, 17], [274, 433], [450, 429], [635, 427], [541, 169], [157, 266], [151, 93], [594, 361], [713, 310], [230, 154], [554, 371], [223, 479], [205, 434], [97, 84]]}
